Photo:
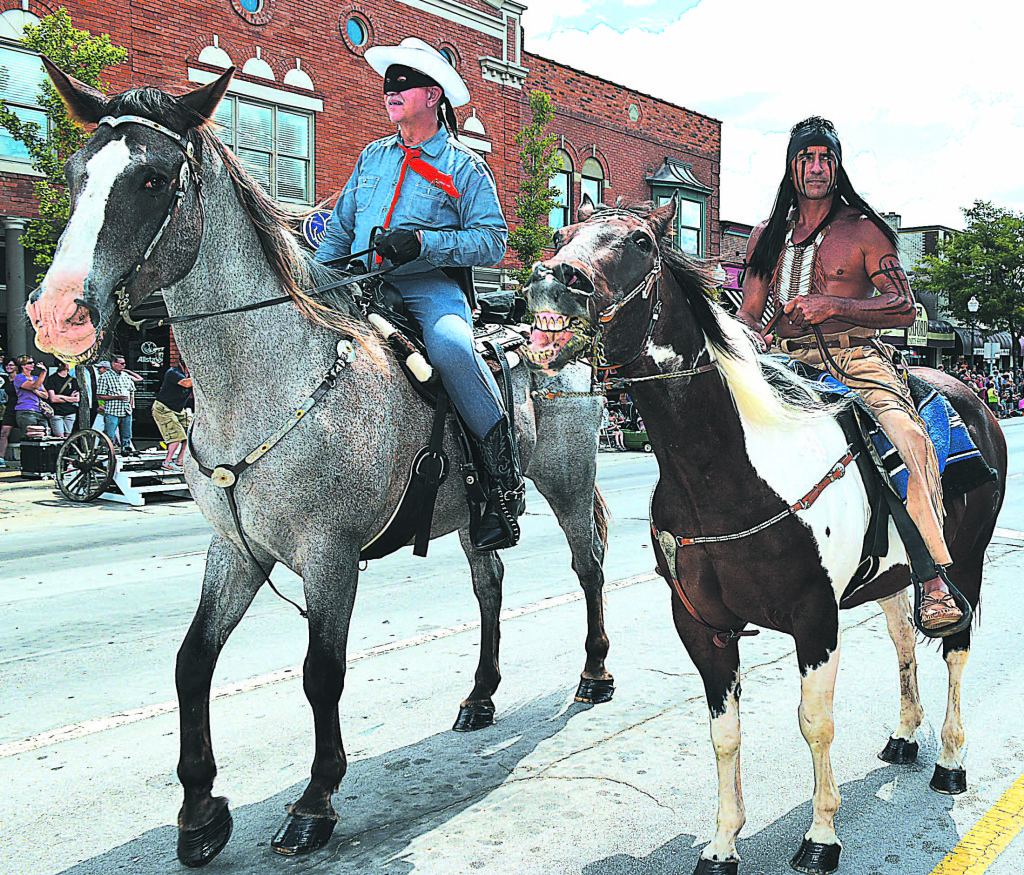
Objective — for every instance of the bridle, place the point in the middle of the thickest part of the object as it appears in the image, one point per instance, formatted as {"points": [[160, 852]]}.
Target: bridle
{"points": [[648, 285], [122, 288]]}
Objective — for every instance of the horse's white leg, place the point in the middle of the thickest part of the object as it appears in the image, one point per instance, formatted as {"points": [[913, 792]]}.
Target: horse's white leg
{"points": [[725, 737], [819, 852], [477, 709], [950, 775], [902, 746]]}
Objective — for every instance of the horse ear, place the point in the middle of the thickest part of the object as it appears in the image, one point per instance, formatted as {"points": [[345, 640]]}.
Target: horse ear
{"points": [[661, 219], [203, 101], [586, 209], [84, 102]]}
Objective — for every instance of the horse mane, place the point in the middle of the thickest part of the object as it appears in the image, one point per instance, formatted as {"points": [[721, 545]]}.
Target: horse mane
{"points": [[295, 269], [764, 391]]}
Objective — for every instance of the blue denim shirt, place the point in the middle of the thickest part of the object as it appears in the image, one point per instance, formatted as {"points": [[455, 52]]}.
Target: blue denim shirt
{"points": [[466, 231]]}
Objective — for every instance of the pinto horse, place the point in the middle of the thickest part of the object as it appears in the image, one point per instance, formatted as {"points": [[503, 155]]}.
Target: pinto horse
{"points": [[158, 202], [737, 454]]}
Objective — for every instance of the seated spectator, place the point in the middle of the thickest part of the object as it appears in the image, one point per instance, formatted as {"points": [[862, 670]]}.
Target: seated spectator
{"points": [[169, 411], [28, 411], [62, 392]]}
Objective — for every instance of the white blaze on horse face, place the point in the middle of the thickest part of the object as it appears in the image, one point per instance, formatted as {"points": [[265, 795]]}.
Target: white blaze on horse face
{"points": [[77, 249]]}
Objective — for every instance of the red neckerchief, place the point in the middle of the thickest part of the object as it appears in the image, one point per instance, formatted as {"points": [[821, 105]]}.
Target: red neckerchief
{"points": [[431, 174]]}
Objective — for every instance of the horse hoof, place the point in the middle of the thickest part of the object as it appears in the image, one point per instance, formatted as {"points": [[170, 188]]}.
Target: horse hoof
{"points": [[594, 692], [473, 716], [816, 858], [952, 782], [196, 847], [302, 835], [899, 751], [716, 867]]}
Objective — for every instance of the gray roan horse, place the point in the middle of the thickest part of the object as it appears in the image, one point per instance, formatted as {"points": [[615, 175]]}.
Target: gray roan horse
{"points": [[736, 534], [333, 481]]}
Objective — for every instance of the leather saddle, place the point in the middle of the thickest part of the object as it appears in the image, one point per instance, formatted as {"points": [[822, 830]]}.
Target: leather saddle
{"points": [[495, 339]]}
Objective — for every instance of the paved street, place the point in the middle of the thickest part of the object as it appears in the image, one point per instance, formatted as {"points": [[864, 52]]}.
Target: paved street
{"points": [[97, 598]]}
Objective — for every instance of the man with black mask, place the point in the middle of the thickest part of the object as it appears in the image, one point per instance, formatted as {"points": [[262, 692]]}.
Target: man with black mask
{"points": [[821, 256], [439, 206]]}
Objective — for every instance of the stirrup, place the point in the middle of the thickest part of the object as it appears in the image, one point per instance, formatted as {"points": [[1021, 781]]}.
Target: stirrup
{"points": [[961, 602]]}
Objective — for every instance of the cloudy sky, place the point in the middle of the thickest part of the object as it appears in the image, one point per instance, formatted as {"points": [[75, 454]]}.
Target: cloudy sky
{"points": [[928, 99]]}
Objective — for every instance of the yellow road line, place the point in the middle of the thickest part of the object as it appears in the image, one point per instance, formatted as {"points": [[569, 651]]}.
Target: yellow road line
{"points": [[989, 837]]}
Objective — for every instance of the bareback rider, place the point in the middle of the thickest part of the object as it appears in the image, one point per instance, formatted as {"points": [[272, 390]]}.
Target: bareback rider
{"points": [[821, 255], [439, 205]]}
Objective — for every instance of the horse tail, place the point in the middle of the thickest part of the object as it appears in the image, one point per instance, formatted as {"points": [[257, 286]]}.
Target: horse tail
{"points": [[601, 517]]}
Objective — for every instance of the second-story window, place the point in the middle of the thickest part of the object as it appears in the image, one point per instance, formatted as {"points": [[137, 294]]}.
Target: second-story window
{"points": [[562, 181], [592, 182], [21, 77], [273, 142]]}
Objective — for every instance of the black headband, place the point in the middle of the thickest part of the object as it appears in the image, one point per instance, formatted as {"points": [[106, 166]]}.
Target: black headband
{"points": [[813, 137], [398, 78]]}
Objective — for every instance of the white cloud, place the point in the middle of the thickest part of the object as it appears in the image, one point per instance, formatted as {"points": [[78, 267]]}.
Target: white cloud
{"points": [[925, 97]]}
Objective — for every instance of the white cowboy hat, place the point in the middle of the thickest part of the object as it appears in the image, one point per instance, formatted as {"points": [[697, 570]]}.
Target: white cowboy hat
{"points": [[415, 53]]}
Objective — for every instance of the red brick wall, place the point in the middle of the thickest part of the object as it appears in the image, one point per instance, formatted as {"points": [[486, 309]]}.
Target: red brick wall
{"points": [[592, 116], [165, 39]]}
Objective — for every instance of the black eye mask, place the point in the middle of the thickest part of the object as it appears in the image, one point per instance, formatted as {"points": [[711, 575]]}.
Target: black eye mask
{"points": [[401, 78]]}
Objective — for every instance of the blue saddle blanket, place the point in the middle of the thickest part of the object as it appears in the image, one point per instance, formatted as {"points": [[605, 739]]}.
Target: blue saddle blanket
{"points": [[962, 466]]}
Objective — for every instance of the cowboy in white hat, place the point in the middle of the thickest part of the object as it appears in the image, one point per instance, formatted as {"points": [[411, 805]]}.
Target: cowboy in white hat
{"points": [[439, 206]]}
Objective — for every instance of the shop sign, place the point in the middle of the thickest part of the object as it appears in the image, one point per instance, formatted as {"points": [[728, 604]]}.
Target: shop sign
{"points": [[917, 333], [151, 353]]}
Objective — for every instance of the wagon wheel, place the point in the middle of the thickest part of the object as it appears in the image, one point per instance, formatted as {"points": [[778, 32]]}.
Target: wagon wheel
{"points": [[85, 465]]}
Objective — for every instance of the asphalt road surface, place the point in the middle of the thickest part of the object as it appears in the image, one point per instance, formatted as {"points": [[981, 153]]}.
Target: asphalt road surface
{"points": [[95, 602]]}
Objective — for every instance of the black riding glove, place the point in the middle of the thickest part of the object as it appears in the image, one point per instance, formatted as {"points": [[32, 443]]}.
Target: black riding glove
{"points": [[399, 246]]}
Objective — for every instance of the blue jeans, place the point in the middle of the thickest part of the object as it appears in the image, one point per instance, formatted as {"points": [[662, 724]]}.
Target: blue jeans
{"points": [[442, 310], [110, 425]]}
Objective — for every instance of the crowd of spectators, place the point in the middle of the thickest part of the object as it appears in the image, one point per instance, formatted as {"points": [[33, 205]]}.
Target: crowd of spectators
{"points": [[1003, 395]]}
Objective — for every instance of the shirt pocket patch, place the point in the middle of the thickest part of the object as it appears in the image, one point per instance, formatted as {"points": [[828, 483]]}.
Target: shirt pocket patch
{"points": [[365, 189], [428, 205]]}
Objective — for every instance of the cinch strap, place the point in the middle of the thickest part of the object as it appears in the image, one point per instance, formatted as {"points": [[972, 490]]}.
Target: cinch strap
{"points": [[431, 174]]}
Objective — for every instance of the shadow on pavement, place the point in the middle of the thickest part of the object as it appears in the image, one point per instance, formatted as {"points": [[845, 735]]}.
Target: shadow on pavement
{"points": [[385, 803], [888, 823]]}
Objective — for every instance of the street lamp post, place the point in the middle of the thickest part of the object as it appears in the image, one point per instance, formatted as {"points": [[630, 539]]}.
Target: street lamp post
{"points": [[972, 307]]}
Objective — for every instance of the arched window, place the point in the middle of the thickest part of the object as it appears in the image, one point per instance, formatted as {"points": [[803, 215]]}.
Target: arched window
{"points": [[561, 180], [593, 180]]}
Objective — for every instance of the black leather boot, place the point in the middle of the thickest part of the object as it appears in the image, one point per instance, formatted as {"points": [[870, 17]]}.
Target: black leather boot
{"points": [[506, 495]]}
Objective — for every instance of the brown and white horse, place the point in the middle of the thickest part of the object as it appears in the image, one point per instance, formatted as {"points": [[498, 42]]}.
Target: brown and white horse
{"points": [[734, 453]]}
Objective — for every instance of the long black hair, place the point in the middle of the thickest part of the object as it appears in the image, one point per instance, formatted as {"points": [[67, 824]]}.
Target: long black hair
{"points": [[766, 253]]}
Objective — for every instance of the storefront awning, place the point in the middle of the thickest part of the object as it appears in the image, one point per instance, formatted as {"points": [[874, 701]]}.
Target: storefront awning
{"points": [[963, 337]]}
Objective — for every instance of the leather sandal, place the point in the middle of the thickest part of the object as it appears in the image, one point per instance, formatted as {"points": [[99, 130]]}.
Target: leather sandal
{"points": [[939, 609]]}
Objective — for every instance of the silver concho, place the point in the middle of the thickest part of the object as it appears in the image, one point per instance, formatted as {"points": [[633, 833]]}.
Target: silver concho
{"points": [[346, 351]]}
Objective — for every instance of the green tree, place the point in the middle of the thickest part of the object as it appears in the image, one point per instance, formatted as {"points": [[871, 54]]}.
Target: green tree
{"points": [[537, 197], [985, 261], [85, 57]]}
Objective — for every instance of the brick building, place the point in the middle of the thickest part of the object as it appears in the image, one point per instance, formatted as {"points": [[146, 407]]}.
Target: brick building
{"points": [[303, 103]]}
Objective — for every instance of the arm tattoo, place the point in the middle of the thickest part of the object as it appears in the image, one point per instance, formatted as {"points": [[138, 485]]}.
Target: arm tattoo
{"points": [[890, 280]]}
